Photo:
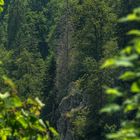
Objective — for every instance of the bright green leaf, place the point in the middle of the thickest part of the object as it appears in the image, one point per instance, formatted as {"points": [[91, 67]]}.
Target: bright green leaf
{"points": [[110, 108], [113, 91], [22, 121], [128, 75], [55, 133], [5, 95], [39, 102], [135, 87], [108, 63], [134, 32]]}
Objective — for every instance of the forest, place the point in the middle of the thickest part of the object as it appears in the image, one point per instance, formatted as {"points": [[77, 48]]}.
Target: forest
{"points": [[70, 69]]}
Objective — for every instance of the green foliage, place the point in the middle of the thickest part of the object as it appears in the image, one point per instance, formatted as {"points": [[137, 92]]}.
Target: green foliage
{"points": [[29, 74], [79, 122], [23, 38], [128, 60], [20, 119], [1, 5], [53, 49], [132, 17], [91, 26]]}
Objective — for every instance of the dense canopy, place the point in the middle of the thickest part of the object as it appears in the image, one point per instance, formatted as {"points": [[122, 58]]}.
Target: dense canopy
{"points": [[76, 57]]}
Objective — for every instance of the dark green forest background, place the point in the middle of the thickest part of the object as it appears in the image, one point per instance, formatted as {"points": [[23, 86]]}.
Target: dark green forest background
{"points": [[54, 49]]}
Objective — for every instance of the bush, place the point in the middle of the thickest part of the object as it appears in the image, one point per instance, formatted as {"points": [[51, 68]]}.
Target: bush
{"points": [[129, 107], [20, 119]]}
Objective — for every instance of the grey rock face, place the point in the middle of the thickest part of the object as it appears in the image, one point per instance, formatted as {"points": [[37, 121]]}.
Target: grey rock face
{"points": [[68, 103]]}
